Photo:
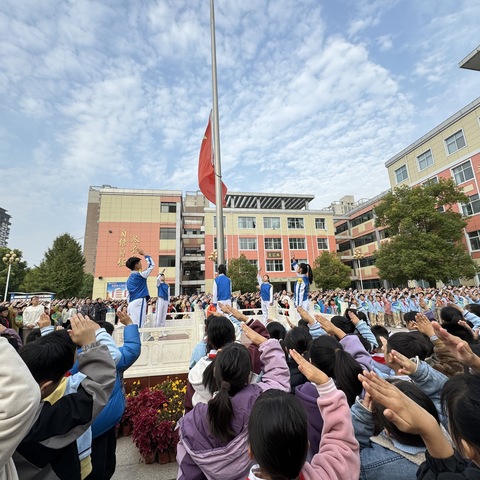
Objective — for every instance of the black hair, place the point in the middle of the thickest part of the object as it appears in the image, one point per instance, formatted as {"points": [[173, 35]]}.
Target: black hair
{"points": [[278, 435], [33, 335], [276, 330], [327, 354], [379, 331], [131, 262], [299, 339], [461, 403], [107, 326], [366, 344], [13, 341], [232, 369], [359, 314], [450, 314], [220, 332], [419, 397], [474, 308], [49, 357], [409, 317], [222, 269], [343, 324], [411, 344], [459, 331], [302, 323], [306, 270]]}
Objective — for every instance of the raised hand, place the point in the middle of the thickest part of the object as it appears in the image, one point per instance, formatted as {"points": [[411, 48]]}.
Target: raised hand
{"points": [[424, 325], [353, 317], [407, 366], [124, 318], [44, 321], [252, 335], [83, 330], [234, 312], [312, 373]]}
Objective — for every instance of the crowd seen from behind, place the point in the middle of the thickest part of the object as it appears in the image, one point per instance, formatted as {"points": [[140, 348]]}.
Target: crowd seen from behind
{"points": [[321, 398]]}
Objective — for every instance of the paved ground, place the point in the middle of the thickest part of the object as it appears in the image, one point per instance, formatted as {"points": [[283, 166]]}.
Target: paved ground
{"points": [[130, 465]]}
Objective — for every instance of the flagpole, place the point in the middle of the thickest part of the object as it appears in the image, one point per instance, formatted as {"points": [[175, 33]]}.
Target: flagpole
{"points": [[216, 143]]}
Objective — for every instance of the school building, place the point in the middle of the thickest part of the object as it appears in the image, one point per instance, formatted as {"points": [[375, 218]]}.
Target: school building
{"points": [[179, 232], [450, 150]]}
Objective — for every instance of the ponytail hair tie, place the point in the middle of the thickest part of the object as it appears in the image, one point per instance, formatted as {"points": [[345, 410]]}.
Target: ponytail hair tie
{"points": [[225, 386]]}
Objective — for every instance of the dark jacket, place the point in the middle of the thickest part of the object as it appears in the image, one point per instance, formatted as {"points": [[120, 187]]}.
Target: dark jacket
{"points": [[100, 311], [452, 468]]}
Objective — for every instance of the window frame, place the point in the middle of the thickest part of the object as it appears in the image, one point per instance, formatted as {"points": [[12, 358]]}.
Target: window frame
{"points": [[396, 175], [274, 240], [274, 260], [476, 238], [295, 221], [470, 205], [420, 169], [253, 221], [249, 245], [170, 229], [326, 243], [320, 220], [452, 171], [445, 142], [167, 265], [169, 205], [295, 241], [266, 227]]}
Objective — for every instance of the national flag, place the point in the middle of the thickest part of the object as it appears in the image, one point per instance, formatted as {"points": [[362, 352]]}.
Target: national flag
{"points": [[206, 169]]}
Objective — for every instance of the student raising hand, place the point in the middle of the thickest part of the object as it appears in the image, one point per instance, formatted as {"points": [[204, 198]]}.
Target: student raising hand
{"points": [[83, 330], [312, 373], [407, 415]]}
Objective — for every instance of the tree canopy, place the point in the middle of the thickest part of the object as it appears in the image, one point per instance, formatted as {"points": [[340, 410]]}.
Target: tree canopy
{"points": [[425, 234], [60, 271], [17, 272], [243, 274], [329, 272]]}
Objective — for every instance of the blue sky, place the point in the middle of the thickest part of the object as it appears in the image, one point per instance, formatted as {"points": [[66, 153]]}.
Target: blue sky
{"points": [[314, 97]]}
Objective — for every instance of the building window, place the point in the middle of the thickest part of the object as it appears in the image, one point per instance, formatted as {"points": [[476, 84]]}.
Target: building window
{"points": [[463, 172], [253, 262], [472, 207], [320, 224], [430, 181], [425, 160], [455, 142], [296, 243], [362, 218], [299, 261], [343, 247], [273, 243], [165, 261], [367, 262], [168, 207], [341, 228], [369, 238], [322, 244], [271, 222], [246, 222], [215, 221], [475, 239], [247, 243], [401, 174], [168, 233], [293, 222], [274, 265]]}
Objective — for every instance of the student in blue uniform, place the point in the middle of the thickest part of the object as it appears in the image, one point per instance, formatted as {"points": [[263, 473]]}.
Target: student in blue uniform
{"points": [[137, 288], [302, 285], [162, 301], [222, 288], [266, 294]]}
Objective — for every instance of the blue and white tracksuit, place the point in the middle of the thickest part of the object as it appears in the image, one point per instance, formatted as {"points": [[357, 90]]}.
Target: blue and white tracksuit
{"points": [[138, 293], [162, 302], [222, 291], [266, 295], [302, 287]]}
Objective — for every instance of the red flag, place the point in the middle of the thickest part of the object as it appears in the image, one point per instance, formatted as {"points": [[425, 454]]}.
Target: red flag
{"points": [[206, 170]]}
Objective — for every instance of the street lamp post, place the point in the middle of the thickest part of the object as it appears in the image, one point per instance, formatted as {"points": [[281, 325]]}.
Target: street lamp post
{"points": [[358, 255], [9, 259]]}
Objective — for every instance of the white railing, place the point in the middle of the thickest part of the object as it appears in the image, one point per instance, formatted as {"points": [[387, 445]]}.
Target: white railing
{"points": [[170, 355]]}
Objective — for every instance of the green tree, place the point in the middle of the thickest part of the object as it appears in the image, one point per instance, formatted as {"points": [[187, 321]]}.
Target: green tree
{"points": [[243, 274], [17, 272], [87, 286], [61, 270], [425, 234], [329, 272]]}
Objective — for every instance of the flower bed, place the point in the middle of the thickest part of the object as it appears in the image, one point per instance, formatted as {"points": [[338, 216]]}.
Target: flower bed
{"points": [[151, 415]]}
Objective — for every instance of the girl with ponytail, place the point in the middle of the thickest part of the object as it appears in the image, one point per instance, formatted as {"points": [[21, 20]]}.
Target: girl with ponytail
{"points": [[213, 437], [302, 285]]}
